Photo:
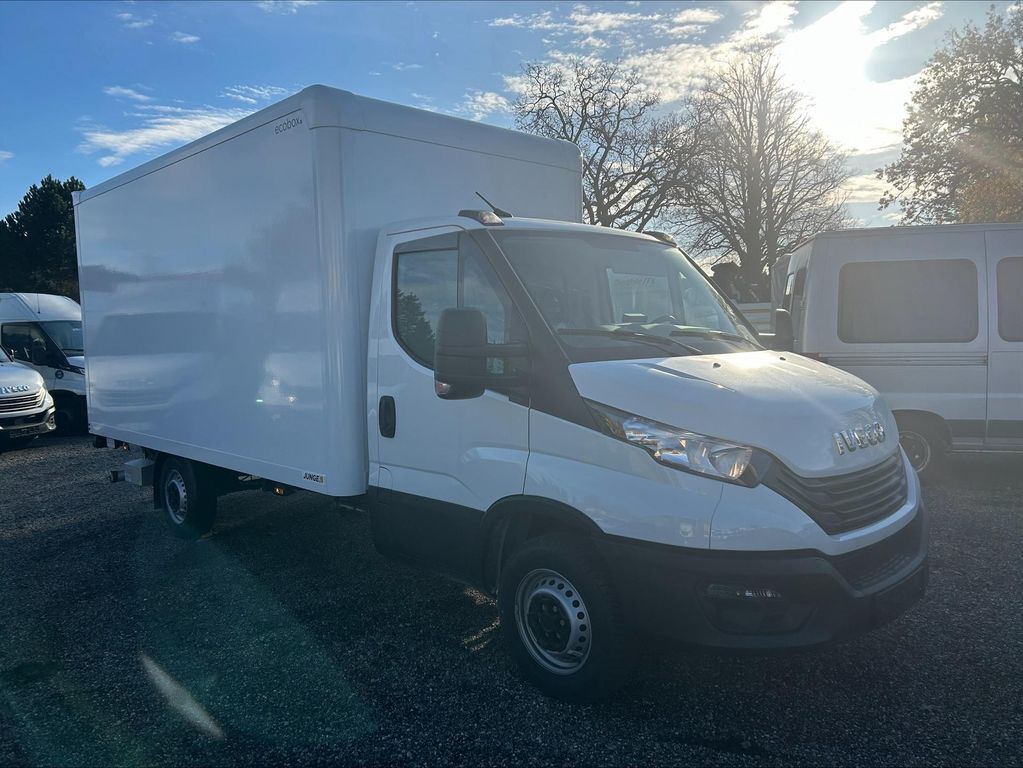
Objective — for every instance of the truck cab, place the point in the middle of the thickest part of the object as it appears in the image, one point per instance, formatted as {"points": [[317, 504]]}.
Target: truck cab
{"points": [[26, 408], [44, 331], [534, 381]]}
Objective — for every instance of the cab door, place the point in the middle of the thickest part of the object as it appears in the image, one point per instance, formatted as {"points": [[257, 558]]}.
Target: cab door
{"points": [[1005, 345], [440, 464]]}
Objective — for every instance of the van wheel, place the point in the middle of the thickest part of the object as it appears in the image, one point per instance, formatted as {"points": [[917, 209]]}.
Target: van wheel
{"points": [[186, 498], [924, 444], [562, 621]]}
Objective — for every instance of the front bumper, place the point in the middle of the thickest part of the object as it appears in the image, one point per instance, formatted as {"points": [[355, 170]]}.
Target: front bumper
{"points": [[13, 427], [768, 600]]}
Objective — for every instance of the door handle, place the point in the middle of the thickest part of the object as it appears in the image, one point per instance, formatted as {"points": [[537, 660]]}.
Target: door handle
{"points": [[387, 416]]}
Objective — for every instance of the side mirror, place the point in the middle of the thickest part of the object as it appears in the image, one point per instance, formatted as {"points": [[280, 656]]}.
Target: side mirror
{"points": [[783, 337], [461, 353]]}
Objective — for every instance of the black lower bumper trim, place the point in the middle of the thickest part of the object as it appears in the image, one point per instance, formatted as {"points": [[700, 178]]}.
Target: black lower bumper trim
{"points": [[26, 426], [764, 600]]}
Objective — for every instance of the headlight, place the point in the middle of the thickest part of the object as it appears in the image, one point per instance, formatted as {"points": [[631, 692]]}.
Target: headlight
{"points": [[686, 450], [48, 400]]}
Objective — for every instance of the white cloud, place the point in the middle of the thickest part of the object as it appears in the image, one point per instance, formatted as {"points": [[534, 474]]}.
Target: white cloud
{"points": [[184, 37], [160, 127], [5, 155], [121, 92], [131, 21], [916, 19], [284, 6], [865, 188], [543, 20], [253, 94], [402, 67], [827, 60], [481, 104]]}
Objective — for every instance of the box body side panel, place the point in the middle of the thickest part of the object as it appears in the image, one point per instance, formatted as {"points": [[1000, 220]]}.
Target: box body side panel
{"points": [[203, 309]]}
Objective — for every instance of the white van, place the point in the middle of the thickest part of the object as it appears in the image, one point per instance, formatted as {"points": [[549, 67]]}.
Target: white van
{"points": [[568, 416], [26, 408], [932, 316], [45, 332]]}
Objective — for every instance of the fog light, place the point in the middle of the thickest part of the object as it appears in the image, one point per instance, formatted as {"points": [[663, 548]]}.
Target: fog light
{"points": [[731, 592]]}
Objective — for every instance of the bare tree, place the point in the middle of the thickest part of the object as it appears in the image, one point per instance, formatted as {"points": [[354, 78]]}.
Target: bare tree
{"points": [[634, 161], [764, 179]]}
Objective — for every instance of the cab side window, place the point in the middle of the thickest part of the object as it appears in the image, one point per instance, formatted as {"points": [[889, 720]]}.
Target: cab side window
{"points": [[1010, 304], [429, 279], [25, 340]]}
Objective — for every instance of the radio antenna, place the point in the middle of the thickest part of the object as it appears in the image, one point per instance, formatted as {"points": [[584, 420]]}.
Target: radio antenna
{"points": [[502, 213]]}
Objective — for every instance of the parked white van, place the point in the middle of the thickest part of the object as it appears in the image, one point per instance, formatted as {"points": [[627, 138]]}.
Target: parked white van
{"points": [[26, 408], [45, 332], [932, 316], [568, 416]]}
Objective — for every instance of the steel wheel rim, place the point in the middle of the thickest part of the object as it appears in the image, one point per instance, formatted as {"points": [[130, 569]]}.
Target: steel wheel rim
{"points": [[917, 449], [175, 497], [553, 621]]}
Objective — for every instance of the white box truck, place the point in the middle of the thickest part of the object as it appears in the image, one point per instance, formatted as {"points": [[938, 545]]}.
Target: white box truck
{"points": [[568, 416], [932, 316], [44, 331]]}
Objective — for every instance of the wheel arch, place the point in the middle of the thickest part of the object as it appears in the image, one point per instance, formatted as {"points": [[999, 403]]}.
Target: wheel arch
{"points": [[908, 416], [515, 519]]}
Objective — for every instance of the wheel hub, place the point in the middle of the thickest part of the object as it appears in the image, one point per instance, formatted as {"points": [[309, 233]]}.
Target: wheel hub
{"points": [[553, 621], [917, 449], [175, 496]]}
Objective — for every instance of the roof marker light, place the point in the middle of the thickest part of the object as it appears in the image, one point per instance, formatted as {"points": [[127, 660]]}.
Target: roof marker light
{"points": [[487, 218]]}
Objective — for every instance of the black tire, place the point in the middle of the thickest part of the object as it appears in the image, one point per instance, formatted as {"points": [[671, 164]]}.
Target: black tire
{"points": [[585, 658], [925, 444], [187, 498], [70, 415]]}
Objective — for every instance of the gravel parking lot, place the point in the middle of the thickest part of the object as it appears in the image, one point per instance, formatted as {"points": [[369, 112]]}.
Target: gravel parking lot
{"points": [[285, 639]]}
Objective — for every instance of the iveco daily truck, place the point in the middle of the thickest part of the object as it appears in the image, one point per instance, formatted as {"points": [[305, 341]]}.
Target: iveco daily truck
{"points": [[44, 331], [568, 416], [26, 408]]}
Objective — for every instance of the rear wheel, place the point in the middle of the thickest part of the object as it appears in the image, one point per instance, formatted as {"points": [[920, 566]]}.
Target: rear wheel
{"points": [[187, 498], [562, 621], [925, 445]]}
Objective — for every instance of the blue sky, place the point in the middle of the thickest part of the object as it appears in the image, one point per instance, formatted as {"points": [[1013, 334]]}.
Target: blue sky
{"points": [[93, 89]]}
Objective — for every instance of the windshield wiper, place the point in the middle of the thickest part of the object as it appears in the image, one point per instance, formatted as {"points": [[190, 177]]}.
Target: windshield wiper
{"points": [[710, 333], [621, 333]]}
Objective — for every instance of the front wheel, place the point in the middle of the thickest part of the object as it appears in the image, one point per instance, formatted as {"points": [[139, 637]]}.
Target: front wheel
{"points": [[562, 621], [924, 445], [186, 497]]}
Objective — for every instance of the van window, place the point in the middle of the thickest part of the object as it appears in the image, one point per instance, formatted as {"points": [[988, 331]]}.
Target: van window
{"points": [[426, 283], [429, 281], [1010, 298], [23, 339], [908, 301]]}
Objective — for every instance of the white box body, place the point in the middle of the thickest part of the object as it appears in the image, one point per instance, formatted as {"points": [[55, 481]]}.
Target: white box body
{"points": [[226, 285]]}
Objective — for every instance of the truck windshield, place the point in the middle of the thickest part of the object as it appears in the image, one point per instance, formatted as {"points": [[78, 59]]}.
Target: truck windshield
{"points": [[609, 296], [66, 334]]}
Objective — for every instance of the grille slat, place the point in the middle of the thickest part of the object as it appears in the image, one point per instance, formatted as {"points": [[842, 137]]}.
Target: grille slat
{"points": [[20, 402], [844, 502]]}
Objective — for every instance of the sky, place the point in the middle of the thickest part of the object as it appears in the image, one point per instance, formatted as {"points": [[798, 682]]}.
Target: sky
{"points": [[92, 89]]}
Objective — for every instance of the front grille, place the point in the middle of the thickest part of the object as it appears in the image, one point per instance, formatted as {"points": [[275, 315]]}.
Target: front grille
{"points": [[845, 502], [863, 568], [20, 402]]}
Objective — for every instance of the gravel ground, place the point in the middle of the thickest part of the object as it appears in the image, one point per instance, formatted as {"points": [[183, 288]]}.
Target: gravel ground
{"points": [[285, 639]]}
